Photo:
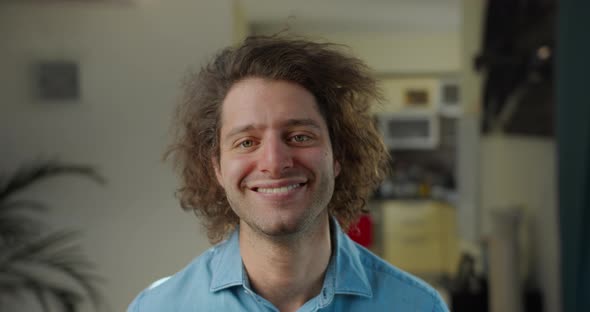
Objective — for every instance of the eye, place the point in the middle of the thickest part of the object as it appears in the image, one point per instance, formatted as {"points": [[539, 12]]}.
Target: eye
{"points": [[246, 144], [299, 138]]}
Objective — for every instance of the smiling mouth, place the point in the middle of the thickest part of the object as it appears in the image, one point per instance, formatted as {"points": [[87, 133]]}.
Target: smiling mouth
{"points": [[278, 190]]}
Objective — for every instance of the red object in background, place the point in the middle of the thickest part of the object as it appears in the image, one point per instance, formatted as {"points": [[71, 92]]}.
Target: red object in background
{"points": [[362, 231]]}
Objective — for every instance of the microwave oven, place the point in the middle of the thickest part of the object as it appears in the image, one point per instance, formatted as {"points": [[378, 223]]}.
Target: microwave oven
{"points": [[409, 130]]}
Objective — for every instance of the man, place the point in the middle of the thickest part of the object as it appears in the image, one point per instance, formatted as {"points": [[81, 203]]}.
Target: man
{"points": [[278, 152]]}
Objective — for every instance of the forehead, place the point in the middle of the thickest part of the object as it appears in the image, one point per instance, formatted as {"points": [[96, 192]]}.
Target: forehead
{"points": [[262, 102]]}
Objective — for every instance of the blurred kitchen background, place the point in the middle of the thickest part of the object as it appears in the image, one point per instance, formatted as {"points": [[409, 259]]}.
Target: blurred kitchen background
{"points": [[483, 129]]}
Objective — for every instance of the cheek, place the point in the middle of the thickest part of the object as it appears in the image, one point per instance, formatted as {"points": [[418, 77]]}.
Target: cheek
{"points": [[318, 159], [235, 169]]}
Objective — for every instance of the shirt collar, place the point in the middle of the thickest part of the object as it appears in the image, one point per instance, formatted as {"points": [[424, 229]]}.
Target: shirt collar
{"points": [[351, 277], [345, 273], [227, 268]]}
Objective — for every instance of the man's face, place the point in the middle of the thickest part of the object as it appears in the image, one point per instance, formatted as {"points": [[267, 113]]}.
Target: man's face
{"points": [[276, 163]]}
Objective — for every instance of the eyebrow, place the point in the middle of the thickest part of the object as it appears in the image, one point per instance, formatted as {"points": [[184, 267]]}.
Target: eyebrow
{"points": [[302, 122], [287, 123]]}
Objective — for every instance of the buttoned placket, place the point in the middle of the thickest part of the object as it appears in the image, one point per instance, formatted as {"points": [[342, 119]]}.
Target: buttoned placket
{"points": [[320, 301], [257, 298]]}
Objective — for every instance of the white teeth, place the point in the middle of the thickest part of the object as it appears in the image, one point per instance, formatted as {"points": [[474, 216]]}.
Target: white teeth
{"points": [[278, 189]]}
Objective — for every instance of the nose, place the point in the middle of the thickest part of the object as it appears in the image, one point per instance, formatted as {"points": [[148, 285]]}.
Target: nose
{"points": [[276, 157]]}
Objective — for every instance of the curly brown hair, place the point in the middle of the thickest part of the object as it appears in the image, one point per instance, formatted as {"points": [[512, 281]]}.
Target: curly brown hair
{"points": [[344, 90]]}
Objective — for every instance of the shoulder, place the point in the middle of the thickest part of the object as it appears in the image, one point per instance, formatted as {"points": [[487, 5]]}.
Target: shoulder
{"points": [[391, 285], [171, 292], [377, 267]]}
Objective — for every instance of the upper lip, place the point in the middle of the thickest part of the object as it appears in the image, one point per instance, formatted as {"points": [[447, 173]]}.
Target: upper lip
{"points": [[275, 184]]}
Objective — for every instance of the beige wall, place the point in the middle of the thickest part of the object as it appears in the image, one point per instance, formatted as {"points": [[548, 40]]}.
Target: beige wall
{"points": [[404, 52], [391, 51], [240, 23], [132, 58], [521, 172]]}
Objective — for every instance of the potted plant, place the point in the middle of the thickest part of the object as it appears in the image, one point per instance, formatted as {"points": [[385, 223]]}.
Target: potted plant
{"points": [[48, 266]]}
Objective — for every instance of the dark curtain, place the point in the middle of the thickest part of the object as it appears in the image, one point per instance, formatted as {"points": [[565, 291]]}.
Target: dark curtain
{"points": [[515, 32], [573, 134]]}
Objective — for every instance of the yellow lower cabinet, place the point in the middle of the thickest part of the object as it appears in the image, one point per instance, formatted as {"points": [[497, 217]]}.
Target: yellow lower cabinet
{"points": [[419, 236]]}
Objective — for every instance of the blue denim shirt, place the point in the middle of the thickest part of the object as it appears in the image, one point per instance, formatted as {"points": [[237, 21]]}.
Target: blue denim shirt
{"points": [[355, 280]]}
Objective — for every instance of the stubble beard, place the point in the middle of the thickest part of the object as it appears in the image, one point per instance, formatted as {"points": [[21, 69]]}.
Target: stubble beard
{"points": [[308, 221]]}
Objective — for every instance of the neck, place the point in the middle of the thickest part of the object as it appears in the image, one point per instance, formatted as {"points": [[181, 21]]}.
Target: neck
{"points": [[287, 272]]}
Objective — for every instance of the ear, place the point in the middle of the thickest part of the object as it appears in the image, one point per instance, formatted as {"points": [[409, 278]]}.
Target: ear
{"points": [[215, 163], [336, 168]]}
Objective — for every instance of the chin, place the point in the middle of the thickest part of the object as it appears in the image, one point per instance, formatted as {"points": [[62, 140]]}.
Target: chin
{"points": [[281, 229], [288, 228]]}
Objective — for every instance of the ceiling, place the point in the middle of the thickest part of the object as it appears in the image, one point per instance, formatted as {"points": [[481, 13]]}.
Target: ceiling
{"points": [[355, 15], [338, 15]]}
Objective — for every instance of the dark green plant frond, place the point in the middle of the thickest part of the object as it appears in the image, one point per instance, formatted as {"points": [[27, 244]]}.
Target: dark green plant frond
{"points": [[38, 247], [8, 280], [28, 175], [21, 204], [45, 289], [41, 295], [52, 268], [87, 280], [68, 301], [17, 223], [15, 229], [69, 259], [56, 253]]}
